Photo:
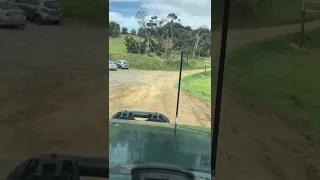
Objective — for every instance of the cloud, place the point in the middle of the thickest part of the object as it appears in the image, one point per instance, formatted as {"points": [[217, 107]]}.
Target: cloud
{"points": [[194, 13], [129, 22]]}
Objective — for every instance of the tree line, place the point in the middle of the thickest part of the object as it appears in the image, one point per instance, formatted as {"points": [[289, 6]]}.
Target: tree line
{"points": [[164, 36], [115, 31]]}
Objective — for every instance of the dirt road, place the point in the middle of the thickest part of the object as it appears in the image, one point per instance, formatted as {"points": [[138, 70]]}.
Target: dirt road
{"points": [[155, 91], [53, 84]]}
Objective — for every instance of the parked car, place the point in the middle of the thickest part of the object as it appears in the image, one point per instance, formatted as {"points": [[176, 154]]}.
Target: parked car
{"points": [[112, 66], [41, 11], [122, 64], [11, 14]]}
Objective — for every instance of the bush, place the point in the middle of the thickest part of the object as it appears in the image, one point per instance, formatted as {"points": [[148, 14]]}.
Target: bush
{"points": [[135, 47]]}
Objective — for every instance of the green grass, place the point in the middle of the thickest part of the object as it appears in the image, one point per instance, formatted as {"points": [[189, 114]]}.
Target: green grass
{"points": [[254, 13], [154, 62], [92, 11], [198, 86], [116, 45], [272, 75]]}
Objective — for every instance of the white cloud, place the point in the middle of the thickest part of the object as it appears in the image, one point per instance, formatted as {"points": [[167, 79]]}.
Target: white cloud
{"points": [[194, 13], [123, 21]]}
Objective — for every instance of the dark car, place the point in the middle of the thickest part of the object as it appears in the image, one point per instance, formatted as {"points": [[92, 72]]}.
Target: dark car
{"points": [[41, 11], [122, 64]]}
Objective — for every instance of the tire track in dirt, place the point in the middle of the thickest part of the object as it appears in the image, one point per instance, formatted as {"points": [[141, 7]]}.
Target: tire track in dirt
{"points": [[160, 96]]}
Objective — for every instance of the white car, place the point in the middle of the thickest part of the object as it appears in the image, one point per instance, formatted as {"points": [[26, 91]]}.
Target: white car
{"points": [[112, 66], [11, 14]]}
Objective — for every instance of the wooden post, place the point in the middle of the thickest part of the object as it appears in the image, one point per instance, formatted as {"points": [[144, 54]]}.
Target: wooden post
{"points": [[205, 67], [303, 18]]}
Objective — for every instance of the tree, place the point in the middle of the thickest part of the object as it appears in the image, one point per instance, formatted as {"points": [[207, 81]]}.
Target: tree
{"points": [[114, 29], [124, 30], [133, 46], [141, 32], [166, 32], [141, 18], [133, 32], [202, 37]]}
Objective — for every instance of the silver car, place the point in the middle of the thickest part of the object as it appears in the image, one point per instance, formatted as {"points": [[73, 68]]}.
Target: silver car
{"points": [[122, 64], [112, 66], [41, 11], [11, 14]]}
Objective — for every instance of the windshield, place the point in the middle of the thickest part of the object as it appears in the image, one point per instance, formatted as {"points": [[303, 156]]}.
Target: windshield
{"points": [[149, 59], [132, 143], [52, 4]]}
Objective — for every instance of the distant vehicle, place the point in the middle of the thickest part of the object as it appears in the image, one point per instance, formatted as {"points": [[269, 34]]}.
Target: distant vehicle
{"points": [[41, 11], [122, 64], [11, 14], [112, 66]]}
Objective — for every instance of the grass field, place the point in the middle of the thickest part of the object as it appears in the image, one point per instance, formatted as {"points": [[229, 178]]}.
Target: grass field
{"points": [[116, 45], [279, 78], [92, 11], [254, 13], [198, 86]]}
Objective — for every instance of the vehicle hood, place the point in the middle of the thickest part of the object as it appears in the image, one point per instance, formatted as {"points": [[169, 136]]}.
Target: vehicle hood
{"points": [[141, 142]]}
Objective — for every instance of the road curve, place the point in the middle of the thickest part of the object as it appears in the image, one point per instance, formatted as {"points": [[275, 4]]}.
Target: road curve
{"points": [[155, 91]]}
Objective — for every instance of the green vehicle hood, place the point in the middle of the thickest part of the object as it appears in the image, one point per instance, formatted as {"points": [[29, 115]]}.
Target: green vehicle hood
{"points": [[140, 142]]}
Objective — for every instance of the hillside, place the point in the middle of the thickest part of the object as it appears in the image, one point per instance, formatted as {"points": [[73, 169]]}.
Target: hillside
{"points": [[92, 11], [116, 45], [257, 13], [282, 79], [117, 50]]}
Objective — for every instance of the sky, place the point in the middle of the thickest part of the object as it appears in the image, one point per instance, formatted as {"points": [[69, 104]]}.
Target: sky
{"points": [[193, 13]]}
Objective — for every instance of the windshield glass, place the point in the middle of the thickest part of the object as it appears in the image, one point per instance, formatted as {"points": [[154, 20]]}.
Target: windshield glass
{"points": [[147, 144], [148, 81], [52, 4]]}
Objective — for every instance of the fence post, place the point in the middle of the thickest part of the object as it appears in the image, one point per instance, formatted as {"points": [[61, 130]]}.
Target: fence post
{"points": [[305, 10], [205, 67]]}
